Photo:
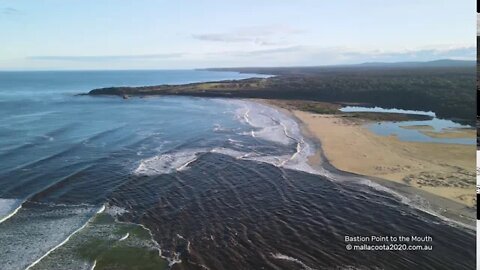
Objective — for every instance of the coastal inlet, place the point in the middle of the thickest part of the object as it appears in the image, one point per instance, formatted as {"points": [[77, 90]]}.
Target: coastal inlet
{"points": [[186, 183]]}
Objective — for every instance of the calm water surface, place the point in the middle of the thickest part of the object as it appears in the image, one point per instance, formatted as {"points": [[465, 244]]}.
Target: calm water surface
{"points": [[412, 135]]}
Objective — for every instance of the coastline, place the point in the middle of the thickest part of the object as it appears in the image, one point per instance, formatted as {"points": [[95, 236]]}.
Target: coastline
{"points": [[342, 144], [255, 188], [348, 85]]}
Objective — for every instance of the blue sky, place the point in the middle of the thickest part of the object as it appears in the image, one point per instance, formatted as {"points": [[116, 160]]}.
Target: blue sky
{"points": [[159, 34]]}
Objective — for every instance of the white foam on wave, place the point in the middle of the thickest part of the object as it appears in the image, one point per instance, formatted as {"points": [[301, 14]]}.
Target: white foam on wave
{"points": [[220, 128], [115, 211], [93, 265], [66, 257], [297, 161], [124, 237], [167, 163], [274, 125], [175, 259], [102, 208], [34, 233], [414, 201], [8, 208], [188, 242], [229, 152], [291, 259], [267, 124]]}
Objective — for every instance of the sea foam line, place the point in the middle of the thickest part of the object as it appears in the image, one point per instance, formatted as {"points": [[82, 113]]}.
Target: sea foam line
{"points": [[247, 120], [171, 261], [32, 194], [124, 237], [291, 259], [334, 176], [411, 203], [11, 214], [94, 264], [186, 164], [245, 116], [64, 241]]}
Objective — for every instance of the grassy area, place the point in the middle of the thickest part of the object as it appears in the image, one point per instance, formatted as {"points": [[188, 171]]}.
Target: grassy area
{"points": [[308, 106]]}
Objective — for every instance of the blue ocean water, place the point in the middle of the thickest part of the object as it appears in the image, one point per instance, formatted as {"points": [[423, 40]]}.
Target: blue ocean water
{"points": [[40, 114], [222, 184]]}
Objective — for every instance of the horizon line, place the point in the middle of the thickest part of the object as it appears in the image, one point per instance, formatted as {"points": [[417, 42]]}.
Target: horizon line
{"points": [[233, 67]]}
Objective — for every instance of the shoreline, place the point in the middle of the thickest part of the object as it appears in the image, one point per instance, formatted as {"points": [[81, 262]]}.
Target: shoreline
{"points": [[426, 199], [370, 86]]}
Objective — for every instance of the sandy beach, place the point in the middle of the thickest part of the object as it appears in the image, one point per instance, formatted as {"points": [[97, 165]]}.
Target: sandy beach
{"points": [[444, 170]]}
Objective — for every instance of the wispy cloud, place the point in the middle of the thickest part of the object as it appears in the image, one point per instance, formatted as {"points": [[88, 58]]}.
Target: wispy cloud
{"points": [[267, 52], [90, 58], [312, 55], [223, 37], [9, 11], [440, 52], [266, 35], [264, 56]]}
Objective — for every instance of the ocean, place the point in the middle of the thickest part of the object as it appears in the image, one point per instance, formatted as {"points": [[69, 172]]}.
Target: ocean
{"points": [[99, 182]]}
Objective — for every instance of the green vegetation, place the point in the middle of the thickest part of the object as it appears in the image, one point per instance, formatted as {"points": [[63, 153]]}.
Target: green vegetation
{"points": [[308, 106], [318, 109], [395, 117], [446, 88]]}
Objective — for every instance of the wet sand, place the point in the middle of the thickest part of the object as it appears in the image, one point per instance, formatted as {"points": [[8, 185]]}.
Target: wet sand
{"points": [[441, 177], [445, 170], [444, 134]]}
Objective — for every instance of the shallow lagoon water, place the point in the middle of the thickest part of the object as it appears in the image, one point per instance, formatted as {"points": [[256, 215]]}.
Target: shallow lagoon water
{"points": [[412, 135]]}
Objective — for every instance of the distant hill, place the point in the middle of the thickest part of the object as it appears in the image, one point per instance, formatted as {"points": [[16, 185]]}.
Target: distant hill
{"points": [[441, 64], [435, 63]]}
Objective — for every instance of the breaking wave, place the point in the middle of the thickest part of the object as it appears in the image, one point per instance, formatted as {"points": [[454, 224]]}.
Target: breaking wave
{"points": [[167, 163], [8, 208], [266, 123]]}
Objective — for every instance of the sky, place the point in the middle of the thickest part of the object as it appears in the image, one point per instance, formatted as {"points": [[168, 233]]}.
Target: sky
{"points": [[181, 34]]}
